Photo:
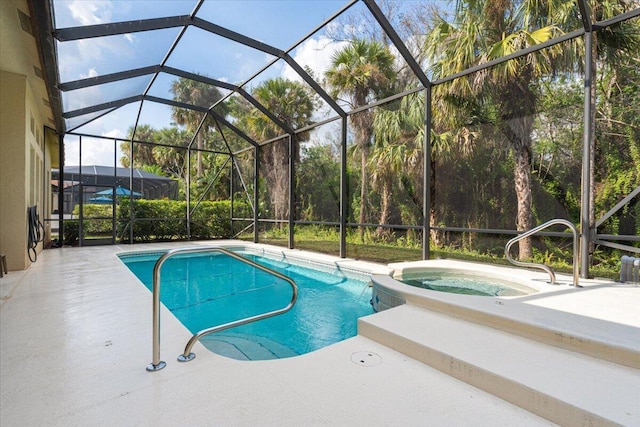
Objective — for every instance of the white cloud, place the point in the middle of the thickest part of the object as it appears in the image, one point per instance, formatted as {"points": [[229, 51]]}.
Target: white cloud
{"points": [[315, 53], [91, 73], [88, 12], [73, 55], [399, 61], [114, 133], [84, 97], [95, 151]]}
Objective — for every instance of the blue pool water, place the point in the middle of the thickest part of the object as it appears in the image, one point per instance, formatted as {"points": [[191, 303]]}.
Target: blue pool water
{"points": [[204, 290]]}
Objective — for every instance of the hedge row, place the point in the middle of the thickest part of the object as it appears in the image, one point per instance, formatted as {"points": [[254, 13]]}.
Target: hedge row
{"points": [[159, 220]]}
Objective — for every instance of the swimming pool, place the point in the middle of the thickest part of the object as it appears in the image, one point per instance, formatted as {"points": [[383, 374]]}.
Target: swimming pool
{"points": [[207, 289]]}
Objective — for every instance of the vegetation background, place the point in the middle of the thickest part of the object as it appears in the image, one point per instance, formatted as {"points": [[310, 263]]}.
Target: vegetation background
{"points": [[506, 142]]}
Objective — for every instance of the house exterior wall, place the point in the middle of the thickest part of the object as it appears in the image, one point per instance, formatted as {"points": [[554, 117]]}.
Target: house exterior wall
{"points": [[22, 167]]}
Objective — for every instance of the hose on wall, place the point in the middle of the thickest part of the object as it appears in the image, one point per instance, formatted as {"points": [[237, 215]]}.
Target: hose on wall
{"points": [[36, 232]]}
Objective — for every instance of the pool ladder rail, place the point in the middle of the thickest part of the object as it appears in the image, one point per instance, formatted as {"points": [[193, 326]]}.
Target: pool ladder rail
{"points": [[187, 355], [544, 267]]}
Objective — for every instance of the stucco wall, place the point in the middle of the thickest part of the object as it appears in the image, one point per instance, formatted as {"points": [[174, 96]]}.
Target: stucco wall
{"points": [[13, 218], [22, 163], [35, 158]]}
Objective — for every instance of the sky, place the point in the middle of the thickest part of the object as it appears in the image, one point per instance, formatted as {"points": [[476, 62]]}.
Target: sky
{"points": [[279, 23]]}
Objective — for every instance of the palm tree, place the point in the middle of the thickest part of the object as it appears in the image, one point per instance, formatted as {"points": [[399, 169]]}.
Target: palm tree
{"points": [[172, 161], [399, 153], [289, 101], [293, 104], [198, 94], [142, 153], [362, 72], [480, 32]]}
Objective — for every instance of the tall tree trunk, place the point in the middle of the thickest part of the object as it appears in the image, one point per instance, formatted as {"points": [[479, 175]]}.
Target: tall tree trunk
{"points": [[437, 237], [592, 144], [364, 145], [364, 186], [386, 206], [363, 124], [522, 181], [199, 162], [518, 105], [518, 133]]}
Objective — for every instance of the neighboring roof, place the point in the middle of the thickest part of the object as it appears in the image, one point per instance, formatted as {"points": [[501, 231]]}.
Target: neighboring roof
{"points": [[152, 186], [94, 170], [66, 184]]}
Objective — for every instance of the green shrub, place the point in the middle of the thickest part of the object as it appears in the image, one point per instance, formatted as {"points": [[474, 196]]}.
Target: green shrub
{"points": [[97, 226], [162, 220], [71, 234]]}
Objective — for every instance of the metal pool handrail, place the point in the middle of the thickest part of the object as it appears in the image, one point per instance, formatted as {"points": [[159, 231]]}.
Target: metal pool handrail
{"points": [[158, 364], [546, 268]]}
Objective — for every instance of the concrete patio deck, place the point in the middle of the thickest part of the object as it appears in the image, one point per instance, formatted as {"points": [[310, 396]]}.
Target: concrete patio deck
{"points": [[75, 339]]}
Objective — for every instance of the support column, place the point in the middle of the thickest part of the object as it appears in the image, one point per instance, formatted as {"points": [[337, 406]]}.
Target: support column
{"points": [[585, 228], [60, 190], [426, 178], [81, 196], [231, 191], [344, 190], [292, 195], [188, 182], [256, 199], [131, 233]]}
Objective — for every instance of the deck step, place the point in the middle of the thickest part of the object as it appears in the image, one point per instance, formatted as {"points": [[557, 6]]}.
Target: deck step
{"points": [[563, 386], [615, 342]]}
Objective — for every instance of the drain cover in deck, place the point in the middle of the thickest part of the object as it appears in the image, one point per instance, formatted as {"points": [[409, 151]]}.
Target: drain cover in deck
{"points": [[366, 358]]}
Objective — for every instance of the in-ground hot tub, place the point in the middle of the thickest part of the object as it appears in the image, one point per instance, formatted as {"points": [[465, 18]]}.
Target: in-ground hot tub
{"points": [[411, 281]]}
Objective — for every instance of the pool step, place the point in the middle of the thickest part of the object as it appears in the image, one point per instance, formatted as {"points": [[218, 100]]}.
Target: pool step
{"points": [[560, 385], [245, 347]]}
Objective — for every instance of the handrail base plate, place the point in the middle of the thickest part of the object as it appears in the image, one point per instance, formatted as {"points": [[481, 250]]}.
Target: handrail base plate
{"points": [[152, 368], [188, 358]]}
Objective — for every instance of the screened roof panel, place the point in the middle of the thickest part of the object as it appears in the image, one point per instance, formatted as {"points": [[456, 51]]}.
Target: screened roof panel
{"points": [[315, 55], [100, 94], [160, 116], [167, 86], [319, 52], [112, 123], [271, 25], [281, 70], [74, 123], [233, 40], [223, 109], [72, 13], [79, 59], [239, 129], [216, 56], [215, 141]]}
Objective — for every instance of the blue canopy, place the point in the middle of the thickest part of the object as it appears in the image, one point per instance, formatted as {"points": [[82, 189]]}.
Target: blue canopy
{"points": [[101, 199], [119, 191]]}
